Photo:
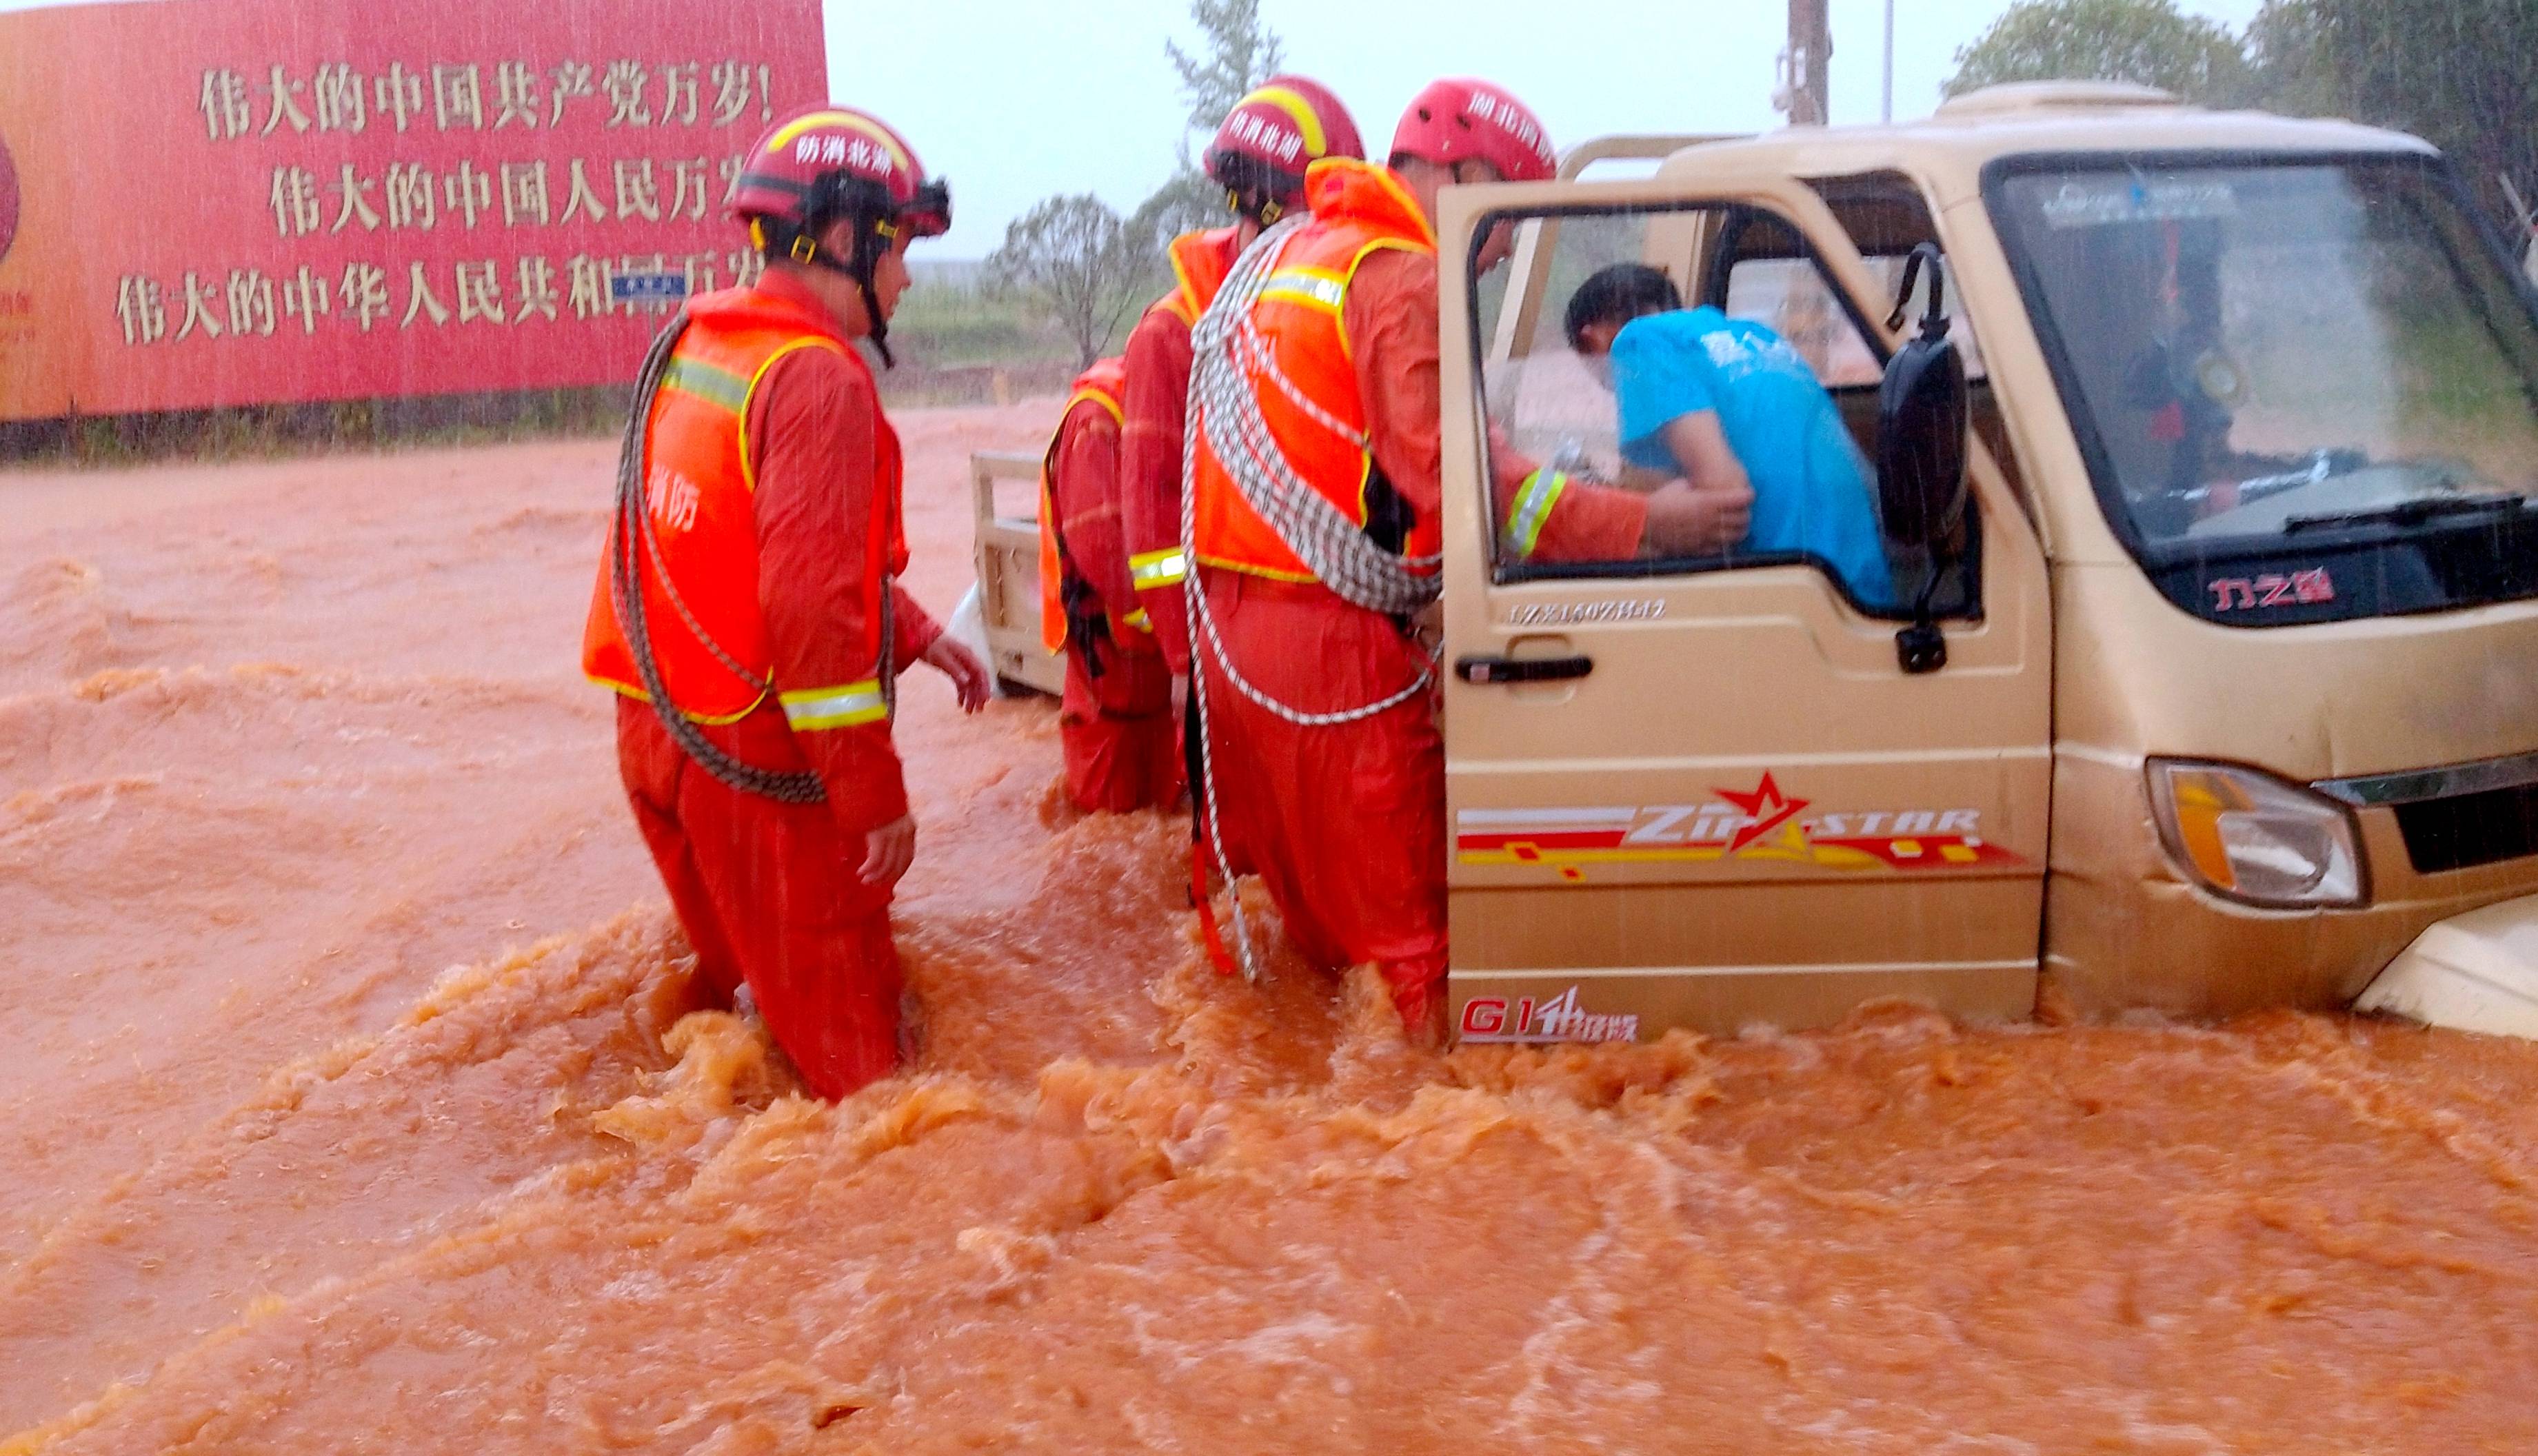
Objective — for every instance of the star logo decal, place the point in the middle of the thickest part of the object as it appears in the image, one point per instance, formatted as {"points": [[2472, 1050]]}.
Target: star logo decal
{"points": [[1767, 807]]}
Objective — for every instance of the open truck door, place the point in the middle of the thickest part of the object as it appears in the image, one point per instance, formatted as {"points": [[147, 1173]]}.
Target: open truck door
{"points": [[1714, 792]]}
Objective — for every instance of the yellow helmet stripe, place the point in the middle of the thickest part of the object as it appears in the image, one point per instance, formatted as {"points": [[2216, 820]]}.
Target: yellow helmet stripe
{"points": [[1298, 110], [847, 119]]}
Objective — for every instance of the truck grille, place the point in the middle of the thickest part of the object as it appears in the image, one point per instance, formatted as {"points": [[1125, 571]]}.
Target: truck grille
{"points": [[2463, 830]]}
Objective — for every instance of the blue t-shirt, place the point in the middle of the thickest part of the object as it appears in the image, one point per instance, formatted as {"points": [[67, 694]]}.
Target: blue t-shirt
{"points": [[1810, 484]]}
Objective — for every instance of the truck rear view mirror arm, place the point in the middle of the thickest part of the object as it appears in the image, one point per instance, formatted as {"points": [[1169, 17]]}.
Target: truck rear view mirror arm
{"points": [[1921, 423]]}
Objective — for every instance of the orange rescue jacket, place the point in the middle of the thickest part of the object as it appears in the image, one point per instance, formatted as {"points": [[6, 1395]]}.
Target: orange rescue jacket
{"points": [[1097, 389], [1150, 449], [698, 488], [1200, 261], [1358, 209]]}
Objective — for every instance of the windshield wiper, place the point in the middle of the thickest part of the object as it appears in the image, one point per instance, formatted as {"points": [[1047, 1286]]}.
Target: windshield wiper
{"points": [[2409, 512], [2323, 465]]}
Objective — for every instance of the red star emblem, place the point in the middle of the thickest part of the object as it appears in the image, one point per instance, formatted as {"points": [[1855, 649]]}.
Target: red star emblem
{"points": [[1767, 806]]}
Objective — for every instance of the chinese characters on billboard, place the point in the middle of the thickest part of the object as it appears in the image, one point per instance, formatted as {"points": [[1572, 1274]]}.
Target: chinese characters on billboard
{"points": [[243, 203]]}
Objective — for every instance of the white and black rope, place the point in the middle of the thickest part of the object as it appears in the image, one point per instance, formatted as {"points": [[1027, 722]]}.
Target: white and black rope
{"points": [[1226, 354], [631, 534]]}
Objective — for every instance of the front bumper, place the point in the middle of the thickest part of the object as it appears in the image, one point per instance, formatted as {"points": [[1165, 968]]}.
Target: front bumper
{"points": [[2476, 971]]}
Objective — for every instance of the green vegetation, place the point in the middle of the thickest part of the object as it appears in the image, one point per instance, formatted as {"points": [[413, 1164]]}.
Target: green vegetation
{"points": [[955, 336], [2146, 41], [2455, 72], [949, 325], [1090, 269], [1078, 263], [258, 432]]}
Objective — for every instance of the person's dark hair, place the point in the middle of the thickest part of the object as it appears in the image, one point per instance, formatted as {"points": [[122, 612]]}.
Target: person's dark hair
{"points": [[1618, 294], [1253, 187]]}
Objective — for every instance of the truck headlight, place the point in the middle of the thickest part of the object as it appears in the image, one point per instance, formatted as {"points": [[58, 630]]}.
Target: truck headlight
{"points": [[2253, 837]]}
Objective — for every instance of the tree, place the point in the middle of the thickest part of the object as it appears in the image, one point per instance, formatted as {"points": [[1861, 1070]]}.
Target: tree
{"points": [[2147, 41], [2286, 47], [1074, 257], [1186, 202], [2457, 73], [1238, 51]]}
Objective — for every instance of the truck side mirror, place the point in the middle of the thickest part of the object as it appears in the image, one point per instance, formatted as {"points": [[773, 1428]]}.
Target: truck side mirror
{"points": [[1921, 420]]}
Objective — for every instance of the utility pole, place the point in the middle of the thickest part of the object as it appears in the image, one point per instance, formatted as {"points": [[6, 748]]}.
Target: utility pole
{"points": [[1886, 99], [1805, 85]]}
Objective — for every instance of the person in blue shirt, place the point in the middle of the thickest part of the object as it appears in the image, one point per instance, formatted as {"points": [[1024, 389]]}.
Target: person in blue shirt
{"points": [[1728, 404]]}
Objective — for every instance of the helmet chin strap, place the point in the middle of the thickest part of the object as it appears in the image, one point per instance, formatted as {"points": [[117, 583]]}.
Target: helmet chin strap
{"points": [[1256, 205], [880, 333], [870, 244]]}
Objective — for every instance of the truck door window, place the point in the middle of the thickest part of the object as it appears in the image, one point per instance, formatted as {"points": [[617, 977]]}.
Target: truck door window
{"points": [[1589, 472], [1544, 399], [1763, 272], [1792, 295]]}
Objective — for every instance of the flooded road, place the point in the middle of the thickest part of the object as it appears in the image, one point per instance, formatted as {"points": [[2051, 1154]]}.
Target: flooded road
{"points": [[359, 1100]]}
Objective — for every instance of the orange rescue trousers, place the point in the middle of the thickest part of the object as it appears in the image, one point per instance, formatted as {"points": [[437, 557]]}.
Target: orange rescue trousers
{"points": [[1345, 825], [769, 894], [1122, 748]]}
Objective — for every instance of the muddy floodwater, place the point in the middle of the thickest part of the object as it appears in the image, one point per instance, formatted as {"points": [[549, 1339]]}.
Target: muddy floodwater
{"points": [[355, 1100]]}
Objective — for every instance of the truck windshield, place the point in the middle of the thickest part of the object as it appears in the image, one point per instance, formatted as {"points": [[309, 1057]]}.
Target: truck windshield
{"points": [[2314, 365]]}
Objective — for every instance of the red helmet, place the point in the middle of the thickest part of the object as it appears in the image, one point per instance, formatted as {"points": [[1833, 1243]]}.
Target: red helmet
{"points": [[828, 161], [1269, 138], [1456, 120]]}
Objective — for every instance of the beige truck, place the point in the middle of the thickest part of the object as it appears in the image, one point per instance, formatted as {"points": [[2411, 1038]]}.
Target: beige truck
{"points": [[1004, 497], [2212, 678]]}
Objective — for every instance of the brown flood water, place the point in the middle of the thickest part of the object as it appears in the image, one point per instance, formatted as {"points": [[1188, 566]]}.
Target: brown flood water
{"points": [[353, 1102]]}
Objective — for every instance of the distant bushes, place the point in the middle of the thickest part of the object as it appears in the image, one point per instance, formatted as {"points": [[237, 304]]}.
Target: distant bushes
{"points": [[252, 432]]}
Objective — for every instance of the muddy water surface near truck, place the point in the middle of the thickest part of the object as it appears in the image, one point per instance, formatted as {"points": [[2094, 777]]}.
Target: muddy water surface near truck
{"points": [[357, 1099]]}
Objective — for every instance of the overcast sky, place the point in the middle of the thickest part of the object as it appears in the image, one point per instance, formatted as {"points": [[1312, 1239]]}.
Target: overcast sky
{"points": [[1014, 100]]}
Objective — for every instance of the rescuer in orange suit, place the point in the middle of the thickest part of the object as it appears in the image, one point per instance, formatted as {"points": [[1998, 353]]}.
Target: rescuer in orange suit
{"points": [[1258, 156], [1340, 788], [1115, 724], [746, 609]]}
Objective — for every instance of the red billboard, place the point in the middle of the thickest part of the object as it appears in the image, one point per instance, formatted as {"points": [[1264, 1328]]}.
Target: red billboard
{"points": [[228, 202]]}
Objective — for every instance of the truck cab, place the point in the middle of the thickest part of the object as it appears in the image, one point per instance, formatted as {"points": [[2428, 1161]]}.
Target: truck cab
{"points": [[2209, 677]]}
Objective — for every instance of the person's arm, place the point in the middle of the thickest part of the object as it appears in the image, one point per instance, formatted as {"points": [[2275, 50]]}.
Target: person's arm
{"points": [[920, 638], [913, 628], [1154, 407], [1545, 514], [1390, 315], [1701, 451], [812, 421]]}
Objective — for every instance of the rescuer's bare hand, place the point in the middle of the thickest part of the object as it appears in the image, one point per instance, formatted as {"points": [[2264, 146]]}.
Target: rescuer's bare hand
{"points": [[889, 850], [1686, 520], [970, 680]]}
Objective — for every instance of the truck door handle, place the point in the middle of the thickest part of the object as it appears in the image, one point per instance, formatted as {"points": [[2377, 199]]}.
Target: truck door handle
{"points": [[1487, 670]]}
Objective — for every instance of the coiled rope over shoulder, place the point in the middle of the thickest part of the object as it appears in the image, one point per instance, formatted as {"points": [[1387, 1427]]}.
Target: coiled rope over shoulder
{"points": [[632, 533], [1226, 354]]}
